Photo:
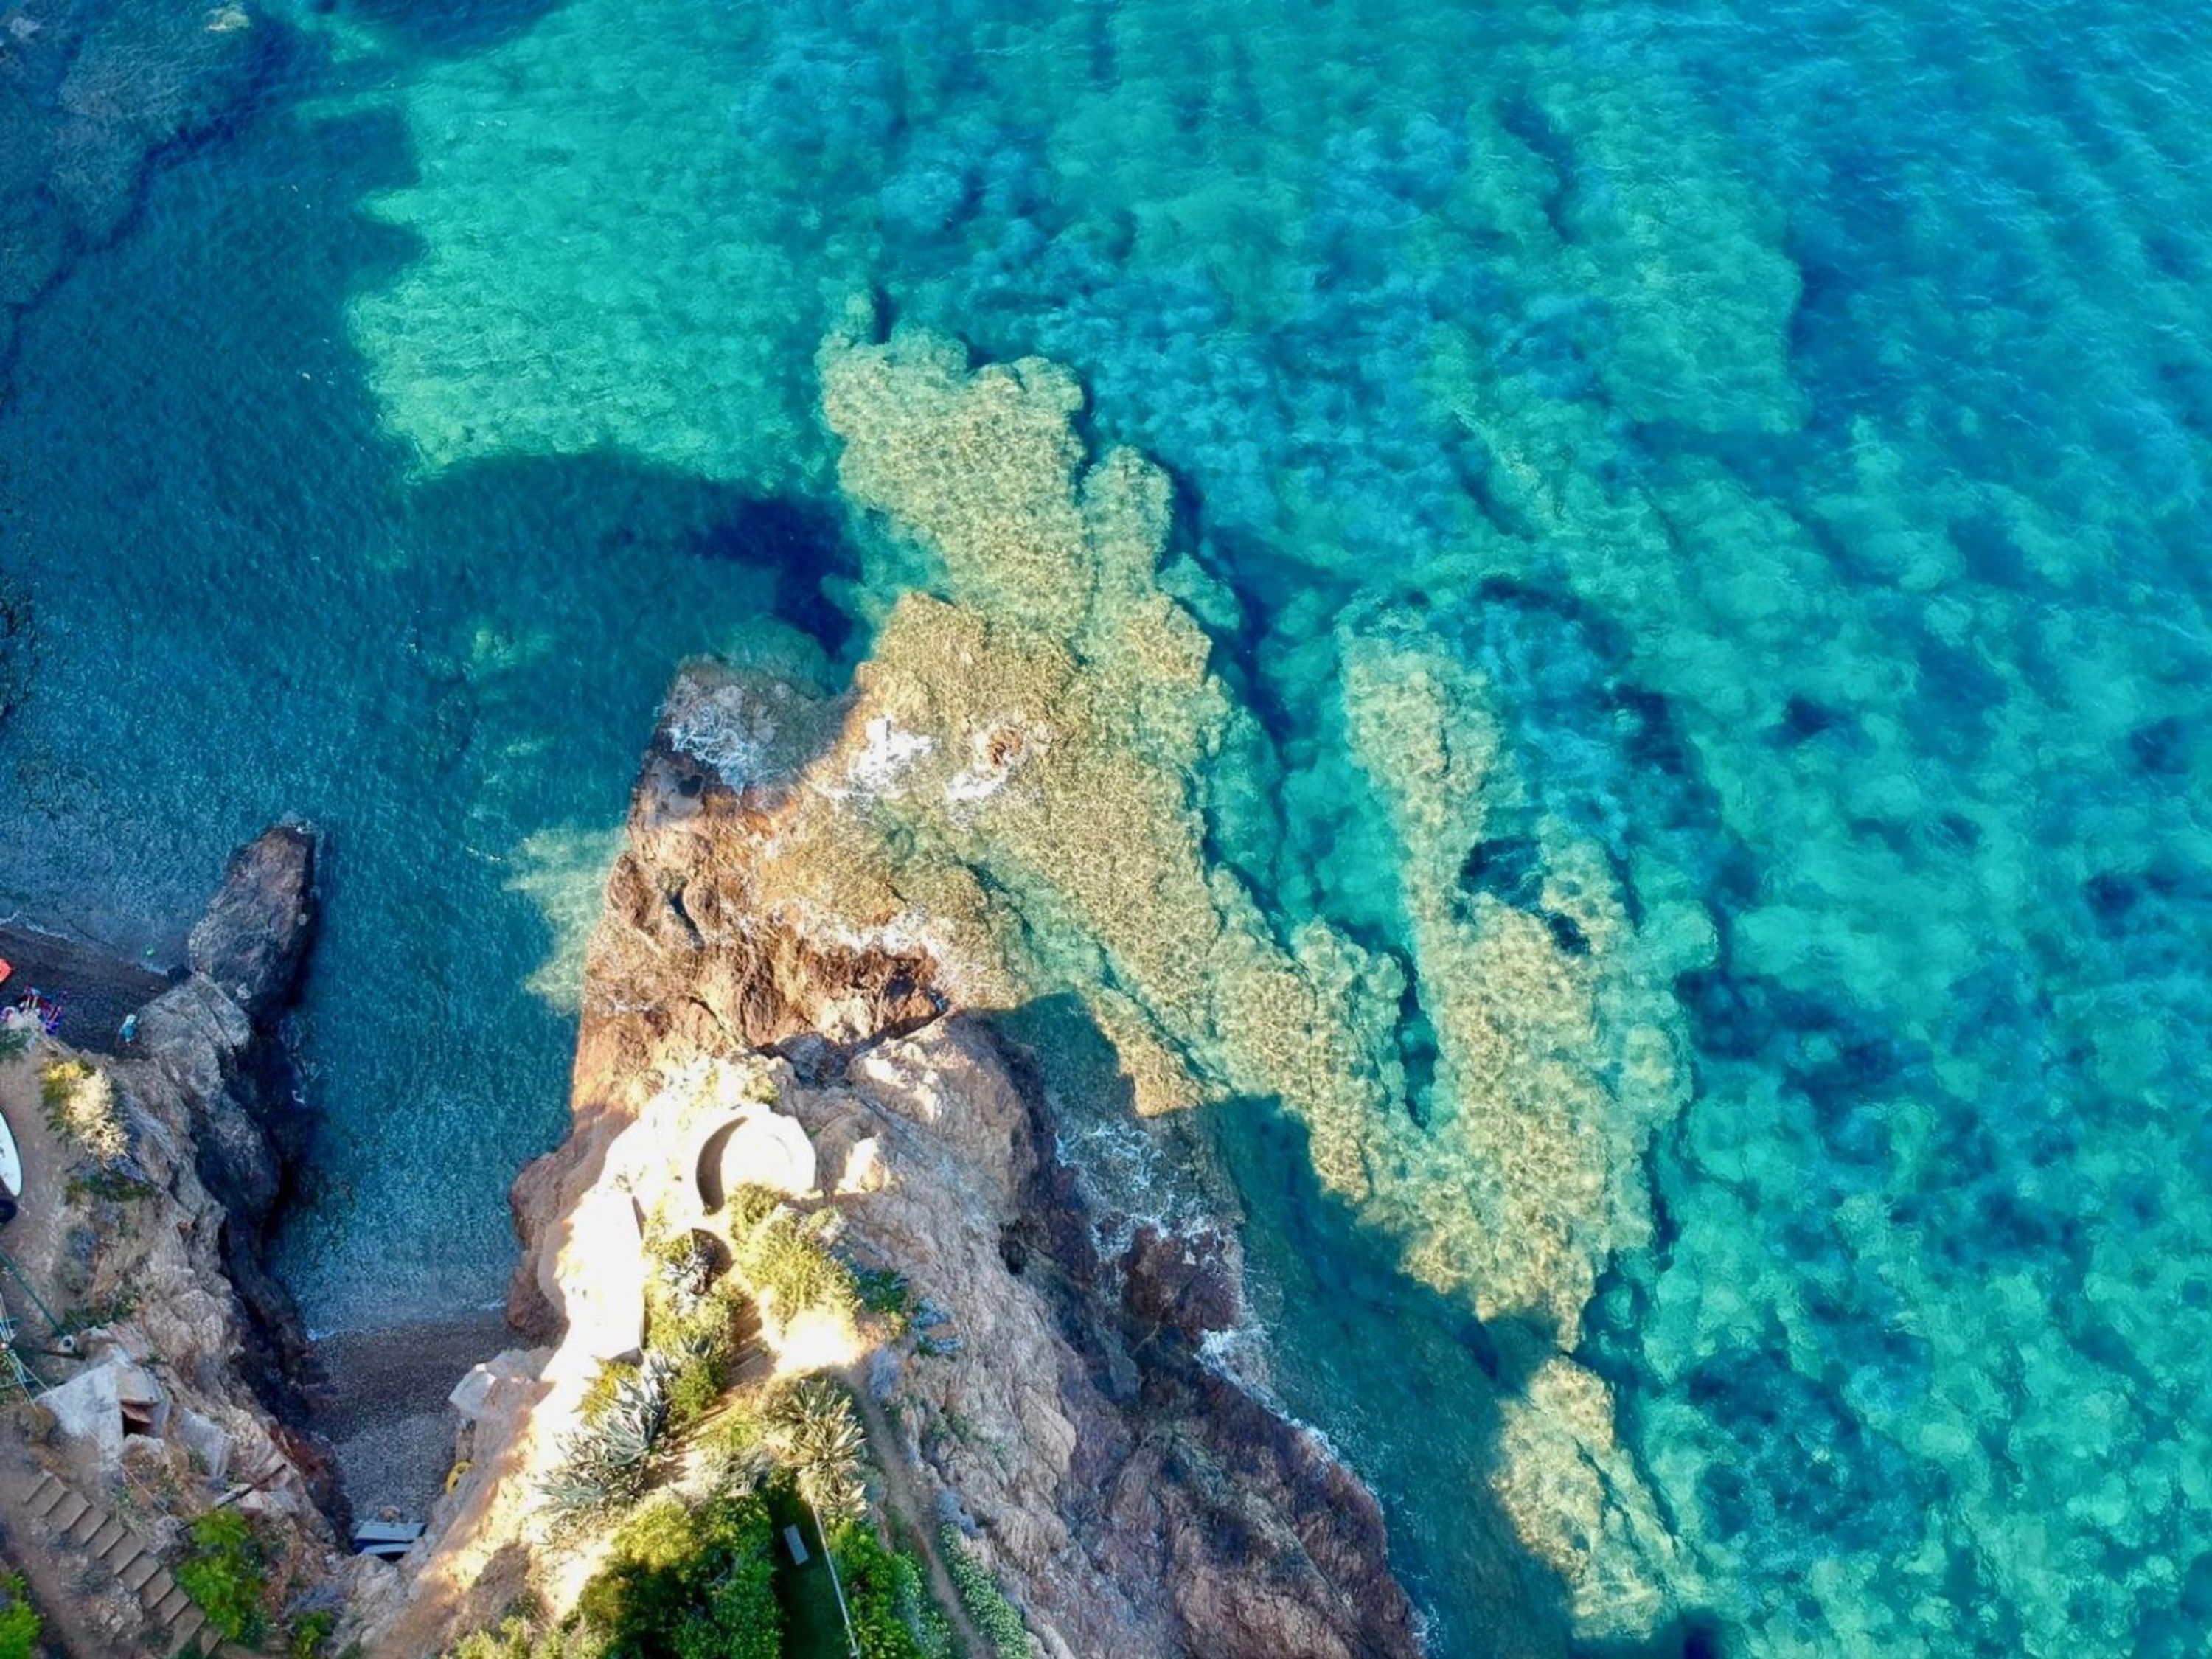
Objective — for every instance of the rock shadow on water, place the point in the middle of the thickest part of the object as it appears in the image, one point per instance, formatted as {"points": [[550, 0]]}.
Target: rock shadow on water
{"points": [[444, 28], [534, 515], [1411, 1382]]}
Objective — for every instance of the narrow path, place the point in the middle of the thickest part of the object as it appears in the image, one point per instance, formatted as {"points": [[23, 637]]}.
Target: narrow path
{"points": [[60, 1535], [902, 1494]]}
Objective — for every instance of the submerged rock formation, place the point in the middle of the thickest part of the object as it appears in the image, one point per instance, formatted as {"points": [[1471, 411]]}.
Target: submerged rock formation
{"points": [[87, 95]]}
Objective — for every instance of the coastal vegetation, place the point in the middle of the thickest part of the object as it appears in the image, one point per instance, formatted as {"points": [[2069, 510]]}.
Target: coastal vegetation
{"points": [[988, 1606], [688, 1474], [812, 1428], [784, 1259], [689, 1581], [694, 1324], [20, 1624], [693, 1576], [606, 1464], [226, 1572], [887, 1598], [81, 1105]]}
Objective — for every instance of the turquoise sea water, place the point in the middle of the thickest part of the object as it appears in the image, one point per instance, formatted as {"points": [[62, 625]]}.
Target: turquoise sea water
{"points": [[1797, 415]]}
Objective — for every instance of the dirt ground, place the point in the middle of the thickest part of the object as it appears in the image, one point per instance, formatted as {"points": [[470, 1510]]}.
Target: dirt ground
{"points": [[34, 1240]]}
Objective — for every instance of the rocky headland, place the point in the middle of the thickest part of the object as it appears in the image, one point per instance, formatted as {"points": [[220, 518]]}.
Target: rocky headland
{"points": [[1053, 1401], [174, 1389], [900, 1026]]}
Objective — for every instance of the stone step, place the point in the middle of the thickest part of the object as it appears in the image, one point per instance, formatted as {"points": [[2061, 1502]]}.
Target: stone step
{"points": [[107, 1538], [48, 1492], [137, 1571], [185, 1632], [66, 1514], [157, 1586], [88, 1524], [172, 1605]]}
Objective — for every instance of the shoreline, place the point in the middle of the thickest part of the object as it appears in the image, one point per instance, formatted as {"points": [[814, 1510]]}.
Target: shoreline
{"points": [[380, 1392], [384, 1407], [96, 989]]}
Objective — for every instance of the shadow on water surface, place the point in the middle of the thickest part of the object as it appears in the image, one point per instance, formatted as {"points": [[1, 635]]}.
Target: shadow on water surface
{"points": [[244, 586], [443, 29], [1411, 1383]]}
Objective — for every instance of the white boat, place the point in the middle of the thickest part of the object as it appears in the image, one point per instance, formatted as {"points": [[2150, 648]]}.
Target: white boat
{"points": [[11, 1162]]}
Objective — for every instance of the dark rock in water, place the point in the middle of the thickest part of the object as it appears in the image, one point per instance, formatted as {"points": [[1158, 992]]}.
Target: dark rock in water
{"points": [[254, 937], [209, 1039], [198, 1036], [1187, 1282]]}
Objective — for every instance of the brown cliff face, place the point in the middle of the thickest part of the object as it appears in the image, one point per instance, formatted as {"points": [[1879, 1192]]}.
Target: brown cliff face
{"points": [[152, 1247], [209, 1044], [1054, 1403]]}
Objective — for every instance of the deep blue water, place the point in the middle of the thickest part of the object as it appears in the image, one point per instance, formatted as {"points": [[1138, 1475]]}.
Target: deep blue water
{"points": [[1793, 417]]}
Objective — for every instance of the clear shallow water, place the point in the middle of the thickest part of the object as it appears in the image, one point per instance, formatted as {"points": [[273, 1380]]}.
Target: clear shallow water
{"points": [[1798, 413]]}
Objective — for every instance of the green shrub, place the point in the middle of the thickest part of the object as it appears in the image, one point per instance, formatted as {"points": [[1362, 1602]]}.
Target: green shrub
{"points": [[688, 1584], [750, 1205], [516, 1637], [997, 1618], [511, 1638], [932, 1630], [19, 1620], [311, 1634], [14, 1040], [692, 1323], [698, 1382], [785, 1262], [891, 1613], [224, 1573], [813, 1429], [887, 1293], [110, 1185]]}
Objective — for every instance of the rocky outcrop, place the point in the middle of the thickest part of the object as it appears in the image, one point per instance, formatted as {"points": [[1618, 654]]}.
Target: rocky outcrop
{"points": [[184, 1388], [253, 940], [1141, 1500], [1052, 1397], [207, 1047]]}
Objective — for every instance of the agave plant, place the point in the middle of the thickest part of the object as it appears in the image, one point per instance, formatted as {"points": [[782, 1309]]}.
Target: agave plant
{"points": [[608, 1463], [814, 1427], [686, 1272]]}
